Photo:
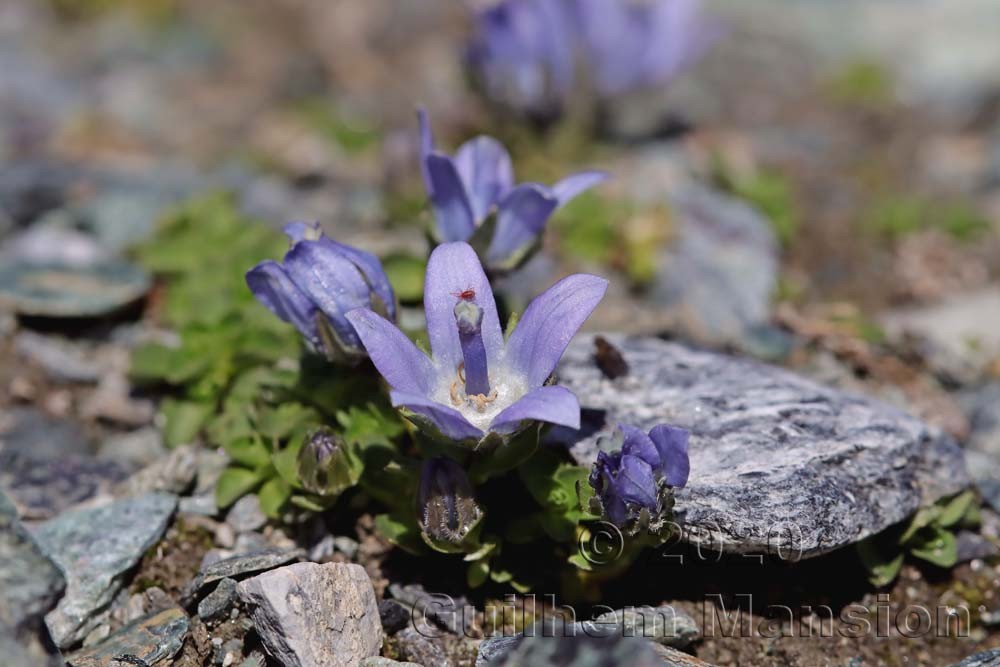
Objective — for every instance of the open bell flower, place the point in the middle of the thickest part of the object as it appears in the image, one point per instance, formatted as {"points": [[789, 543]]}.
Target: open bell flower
{"points": [[478, 181], [476, 387], [315, 286], [635, 474]]}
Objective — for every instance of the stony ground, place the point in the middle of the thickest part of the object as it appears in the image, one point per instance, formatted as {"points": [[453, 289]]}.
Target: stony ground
{"points": [[832, 210]]}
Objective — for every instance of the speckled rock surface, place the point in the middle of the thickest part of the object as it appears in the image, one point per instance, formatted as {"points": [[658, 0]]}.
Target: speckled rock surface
{"points": [[311, 615], [663, 624], [153, 639], [989, 658], [29, 582], [581, 651], [779, 464], [94, 548]]}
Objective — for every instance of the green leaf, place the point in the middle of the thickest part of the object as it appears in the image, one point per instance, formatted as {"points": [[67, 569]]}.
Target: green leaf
{"points": [[273, 496], [152, 361], [955, 509], [250, 452], [881, 559], [924, 517], [582, 563], [401, 531], [286, 461], [184, 419], [312, 503], [234, 483], [281, 421], [937, 546], [478, 573]]}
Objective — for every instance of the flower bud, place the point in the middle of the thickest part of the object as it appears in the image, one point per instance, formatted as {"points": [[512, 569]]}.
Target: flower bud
{"points": [[446, 506], [325, 466]]}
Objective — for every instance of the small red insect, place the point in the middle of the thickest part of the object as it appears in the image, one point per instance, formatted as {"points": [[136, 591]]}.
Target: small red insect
{"points": [[468, 294]]}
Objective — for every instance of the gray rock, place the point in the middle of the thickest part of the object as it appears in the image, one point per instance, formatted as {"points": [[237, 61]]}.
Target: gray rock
{"points": [[495, 648], [140, 447], [379, 661], [982, 405], [30, 583], [245, 515], [218, 602], [64, 290], [61, 359], [779, 464], [985, 472], [203, 505], [311, 615], [664, 624], [153, 639], [240, 566], [27, 650], [95, 548], [971, 545], [580, 651], [393, 615], [46, 466], [421, 649], [990, 658], [719, 274], [959, 337], [452, 614], [173, 474]]}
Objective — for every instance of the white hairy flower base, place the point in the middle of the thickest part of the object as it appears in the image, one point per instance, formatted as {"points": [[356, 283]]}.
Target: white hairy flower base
{"points": [[509, 387]]}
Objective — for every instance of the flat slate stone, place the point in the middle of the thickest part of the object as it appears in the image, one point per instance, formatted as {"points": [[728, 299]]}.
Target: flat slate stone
{"points": [[152, 639], [779, 464], [57, 290], [30, 583], [236, 567], [95, 548]]}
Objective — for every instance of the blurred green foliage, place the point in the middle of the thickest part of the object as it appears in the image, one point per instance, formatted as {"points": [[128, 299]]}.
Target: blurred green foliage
{"points": [[344, 131], [862, 83], [899, 215], [587, 227], [773, 195]]}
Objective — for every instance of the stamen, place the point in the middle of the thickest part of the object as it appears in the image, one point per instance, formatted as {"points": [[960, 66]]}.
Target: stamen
{"points": [[469, 318]]}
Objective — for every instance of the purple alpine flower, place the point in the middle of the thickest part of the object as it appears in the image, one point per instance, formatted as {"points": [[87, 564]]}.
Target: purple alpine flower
{"points": [[523, 52], [635, 45], [635, 474], [476, 385], [315, 286], [479, 181], [526, 52]]}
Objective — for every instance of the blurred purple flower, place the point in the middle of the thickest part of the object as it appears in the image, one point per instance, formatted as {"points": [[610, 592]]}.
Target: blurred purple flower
{"points": [[315, 286], [634, 45], [634, 480], [478, 181], [525, 52], [476, 384]]}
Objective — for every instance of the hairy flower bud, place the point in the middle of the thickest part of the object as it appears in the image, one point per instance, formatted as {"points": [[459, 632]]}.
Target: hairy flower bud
{"points": [[446, 506], [325, 465]]}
